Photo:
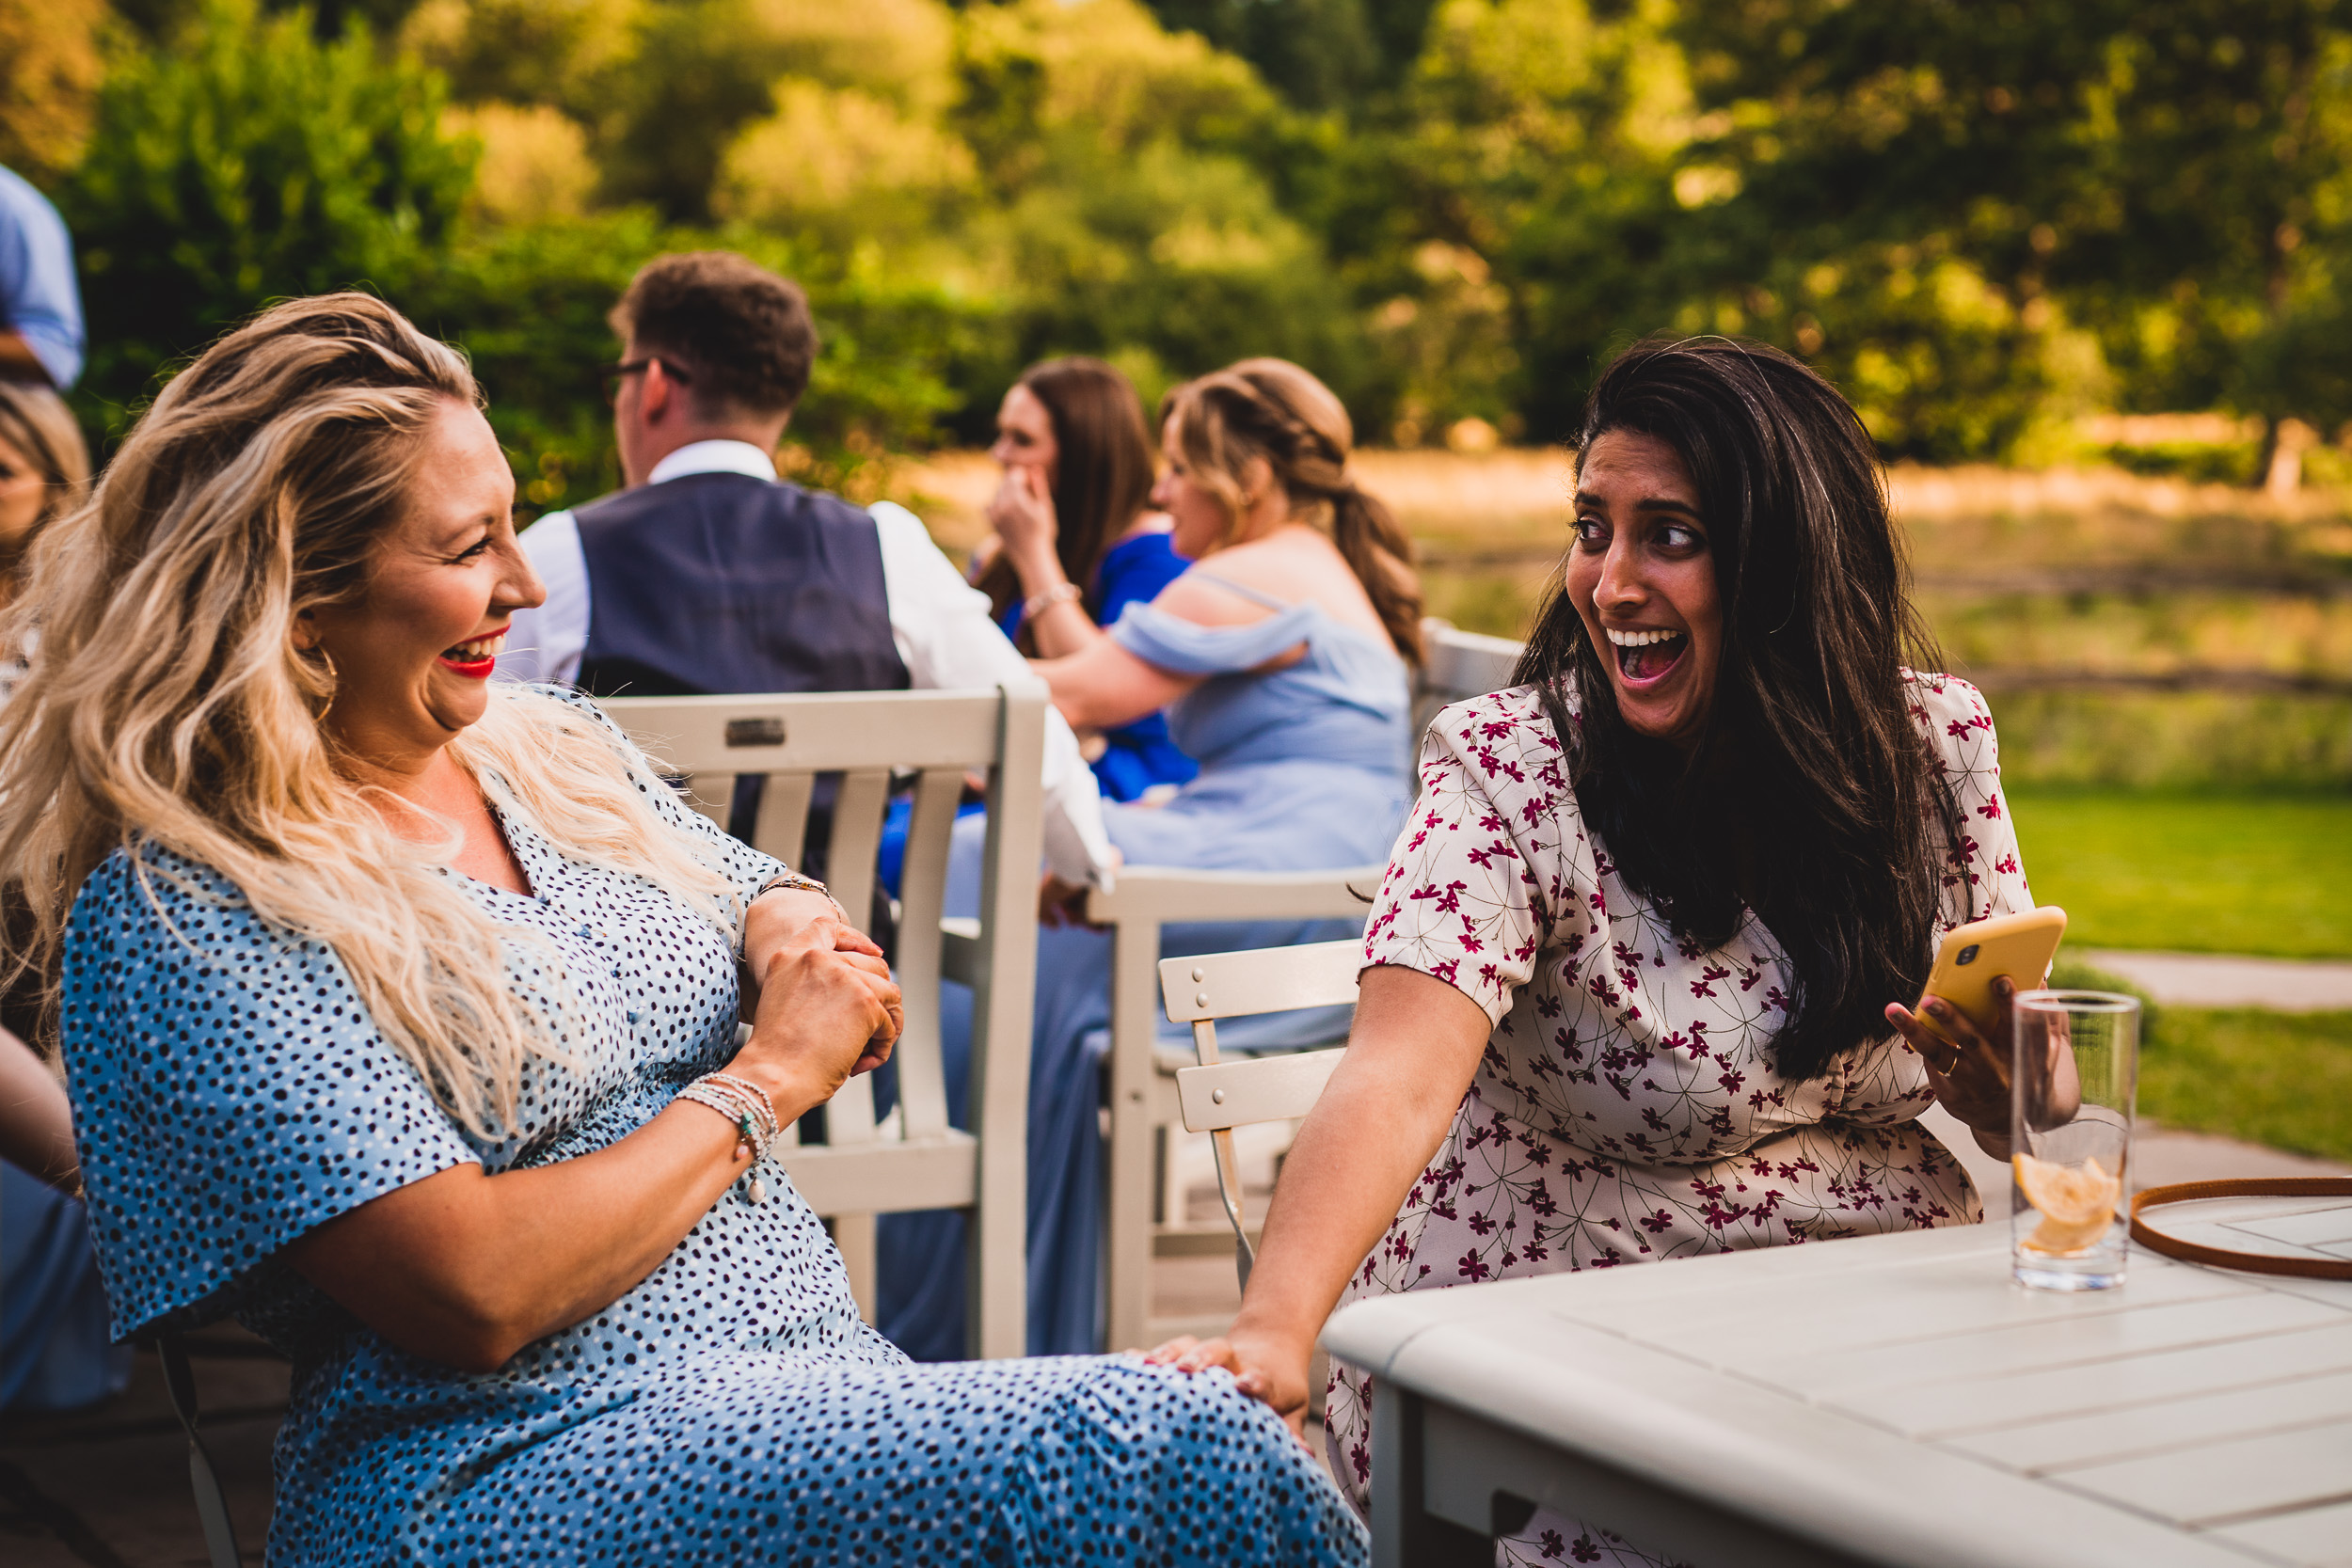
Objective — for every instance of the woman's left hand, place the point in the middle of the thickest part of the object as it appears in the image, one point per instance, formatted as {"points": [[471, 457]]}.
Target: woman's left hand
{"points": [[1061, 904], [1968, 1068]]}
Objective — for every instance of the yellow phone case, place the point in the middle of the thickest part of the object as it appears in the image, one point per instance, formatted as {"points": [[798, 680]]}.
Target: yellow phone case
{"points": [[1971, 957]]}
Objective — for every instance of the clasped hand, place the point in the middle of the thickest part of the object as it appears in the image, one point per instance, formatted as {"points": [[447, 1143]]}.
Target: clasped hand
{"points": [[826, 1010]]}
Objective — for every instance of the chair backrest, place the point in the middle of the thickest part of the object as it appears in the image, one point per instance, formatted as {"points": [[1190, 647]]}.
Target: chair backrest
{"points": [[868, 738], [1205, 988], [1215, 1097], [1456, 664]]}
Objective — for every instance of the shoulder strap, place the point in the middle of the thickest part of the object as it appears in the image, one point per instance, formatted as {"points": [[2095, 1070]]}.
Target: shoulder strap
{"points": [[1252, 594], [2225, 1257]]}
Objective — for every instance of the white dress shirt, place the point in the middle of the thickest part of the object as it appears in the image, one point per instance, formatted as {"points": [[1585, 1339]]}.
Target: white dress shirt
{"points": [[939, 621]]}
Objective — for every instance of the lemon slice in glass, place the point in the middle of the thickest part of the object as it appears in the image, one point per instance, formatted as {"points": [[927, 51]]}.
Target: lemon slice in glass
{"points": [[2076, 1203]]}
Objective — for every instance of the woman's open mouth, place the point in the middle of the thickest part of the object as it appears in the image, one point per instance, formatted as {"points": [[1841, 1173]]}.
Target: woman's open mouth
{"points": [[1646, 658], [476, 658]]}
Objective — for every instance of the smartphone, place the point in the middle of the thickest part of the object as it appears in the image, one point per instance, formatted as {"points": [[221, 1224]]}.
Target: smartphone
{"points": [[1972, 956]]}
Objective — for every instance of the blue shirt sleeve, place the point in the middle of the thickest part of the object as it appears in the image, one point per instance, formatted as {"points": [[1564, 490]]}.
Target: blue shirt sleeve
{"points": [[230, 1091], [39, 298]]}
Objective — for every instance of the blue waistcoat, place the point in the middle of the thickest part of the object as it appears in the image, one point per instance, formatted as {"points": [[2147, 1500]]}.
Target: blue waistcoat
{"points": [[723, 583]]}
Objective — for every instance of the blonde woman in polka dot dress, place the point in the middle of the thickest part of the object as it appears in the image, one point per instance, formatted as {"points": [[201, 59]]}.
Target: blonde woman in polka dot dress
{"points": [[1638, 967], [400, 1017]]}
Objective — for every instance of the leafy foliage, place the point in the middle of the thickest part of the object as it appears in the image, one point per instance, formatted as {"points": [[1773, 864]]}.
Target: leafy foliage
{"points": [[1982, 219], [251, 162], [529, 305]]}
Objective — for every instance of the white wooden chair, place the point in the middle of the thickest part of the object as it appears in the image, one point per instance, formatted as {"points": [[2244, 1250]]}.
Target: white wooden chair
{"points": [[1143, 1076], [914, 1158], [1144, 1107], [1457, 664], [1217, 1096]]}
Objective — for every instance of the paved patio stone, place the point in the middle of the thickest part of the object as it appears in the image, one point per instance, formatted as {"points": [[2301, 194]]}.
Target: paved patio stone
{"points": [[2227, 980]]}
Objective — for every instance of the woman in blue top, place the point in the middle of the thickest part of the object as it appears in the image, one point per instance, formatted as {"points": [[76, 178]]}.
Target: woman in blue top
{"points": [[400, 1018], [1282, 659], [1076, 541]]}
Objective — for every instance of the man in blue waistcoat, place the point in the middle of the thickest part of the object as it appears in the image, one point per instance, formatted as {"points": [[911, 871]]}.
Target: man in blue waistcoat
{"points": [[708, 574]]}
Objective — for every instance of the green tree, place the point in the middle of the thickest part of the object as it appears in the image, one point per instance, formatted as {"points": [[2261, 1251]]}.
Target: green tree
{"points": [[247, 163], [2124, 185], [529, 305]]}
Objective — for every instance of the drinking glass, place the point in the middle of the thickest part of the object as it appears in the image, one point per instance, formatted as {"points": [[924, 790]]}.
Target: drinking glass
{"points": [[2075, 1068]]}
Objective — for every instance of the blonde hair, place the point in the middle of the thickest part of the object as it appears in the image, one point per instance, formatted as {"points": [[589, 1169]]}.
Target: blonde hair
{"points": [[168, 708], [1274, 409], [36, 422]]}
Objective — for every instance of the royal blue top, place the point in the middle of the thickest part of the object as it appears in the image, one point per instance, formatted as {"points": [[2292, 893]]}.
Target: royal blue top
{"points": [[1140, 754]]}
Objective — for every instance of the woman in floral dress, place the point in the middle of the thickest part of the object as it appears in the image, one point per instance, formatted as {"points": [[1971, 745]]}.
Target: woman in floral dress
{"points": [[1633, 978]]}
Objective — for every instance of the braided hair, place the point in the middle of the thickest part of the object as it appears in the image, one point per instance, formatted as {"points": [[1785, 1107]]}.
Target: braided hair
{"points": [[1271, 408]]}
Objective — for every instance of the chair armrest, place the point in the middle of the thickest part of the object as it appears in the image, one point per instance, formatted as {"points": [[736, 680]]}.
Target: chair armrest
{"points": [[1174, 894]]}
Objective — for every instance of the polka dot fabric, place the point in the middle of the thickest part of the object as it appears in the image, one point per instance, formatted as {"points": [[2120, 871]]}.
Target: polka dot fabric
{"points": [[232, 1093]]}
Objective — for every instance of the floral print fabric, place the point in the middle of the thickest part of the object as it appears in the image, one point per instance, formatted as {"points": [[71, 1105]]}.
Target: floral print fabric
{"points": [[1626, 1109]]}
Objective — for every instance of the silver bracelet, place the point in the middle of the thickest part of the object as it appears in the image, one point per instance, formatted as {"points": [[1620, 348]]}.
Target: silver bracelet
{"points": [[755, 1125], [1038, 604]]}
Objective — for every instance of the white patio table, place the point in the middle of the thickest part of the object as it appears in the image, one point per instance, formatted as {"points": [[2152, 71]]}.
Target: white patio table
{"points": [[1892, 1400]]}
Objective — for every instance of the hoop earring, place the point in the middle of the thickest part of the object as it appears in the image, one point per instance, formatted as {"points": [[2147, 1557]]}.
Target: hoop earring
{"points": [[334, 685]]}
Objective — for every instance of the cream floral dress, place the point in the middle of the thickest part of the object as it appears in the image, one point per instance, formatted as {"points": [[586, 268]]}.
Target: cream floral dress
{"points": [[1626, 1109]]}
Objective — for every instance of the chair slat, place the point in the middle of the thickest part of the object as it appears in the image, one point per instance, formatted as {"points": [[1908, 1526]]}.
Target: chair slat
{"points": [[711, 794], [782, 829], [922, 962], [856, 841], [1270, 980], [1254, 1089]]}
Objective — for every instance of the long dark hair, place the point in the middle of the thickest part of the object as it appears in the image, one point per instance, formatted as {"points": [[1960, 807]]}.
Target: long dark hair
{"points": [[1101, 479], [1811, 795], [1273, 409]]}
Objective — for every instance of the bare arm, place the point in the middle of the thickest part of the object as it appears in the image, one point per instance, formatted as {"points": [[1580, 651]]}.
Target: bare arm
{"points": [[1104, 686], [18, 362], [1410, 1056], [467, 1268], [35, 1120]]}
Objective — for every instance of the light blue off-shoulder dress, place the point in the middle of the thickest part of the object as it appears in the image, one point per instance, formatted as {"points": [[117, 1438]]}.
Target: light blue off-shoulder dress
{"points": [[232, 1093], [1304, 768]]}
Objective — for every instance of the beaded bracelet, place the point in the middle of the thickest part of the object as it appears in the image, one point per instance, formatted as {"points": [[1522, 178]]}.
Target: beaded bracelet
{"points": [[744, 1085], [755, 1120]]}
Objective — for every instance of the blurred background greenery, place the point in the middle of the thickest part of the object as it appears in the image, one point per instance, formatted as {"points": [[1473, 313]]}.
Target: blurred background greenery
{"points": [[2083, 268]]}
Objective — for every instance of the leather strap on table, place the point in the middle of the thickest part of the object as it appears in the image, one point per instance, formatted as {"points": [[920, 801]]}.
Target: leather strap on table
{"points": [[2223, 1258]]}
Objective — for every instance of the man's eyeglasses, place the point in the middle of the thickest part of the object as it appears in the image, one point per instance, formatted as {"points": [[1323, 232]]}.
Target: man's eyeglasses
{"points": [[610, 376]]}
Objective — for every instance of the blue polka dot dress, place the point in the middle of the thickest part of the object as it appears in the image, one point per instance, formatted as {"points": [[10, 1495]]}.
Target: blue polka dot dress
{"points": [[232, 1093]]}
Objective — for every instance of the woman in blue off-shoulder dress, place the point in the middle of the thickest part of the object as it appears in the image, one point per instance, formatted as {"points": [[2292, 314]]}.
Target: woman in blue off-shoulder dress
{"points": [[400, 1018], [1281, 659]]}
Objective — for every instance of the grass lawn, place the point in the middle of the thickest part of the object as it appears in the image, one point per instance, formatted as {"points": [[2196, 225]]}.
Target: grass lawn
{"points": [[2280, 1079], [2211, 873]]}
